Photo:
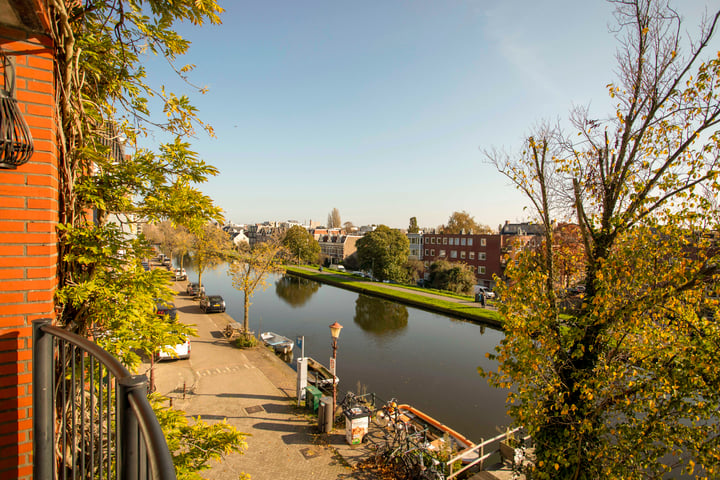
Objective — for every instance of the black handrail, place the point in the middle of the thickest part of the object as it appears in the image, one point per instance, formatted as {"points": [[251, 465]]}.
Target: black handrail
{"points": [[85, 414]]}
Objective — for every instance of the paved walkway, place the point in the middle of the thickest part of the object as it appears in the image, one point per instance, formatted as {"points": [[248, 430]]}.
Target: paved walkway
{"points": [[254, 391]]}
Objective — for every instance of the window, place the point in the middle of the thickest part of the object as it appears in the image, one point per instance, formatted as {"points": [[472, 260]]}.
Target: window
{"points": [[481, 270], [482, 256], [483, 242], [444, 240], [432, 240], [442, 253], [469, 242], [472, 255], [426, 251], [462, 242], [453, 253], [462, 254], [432, 252]]}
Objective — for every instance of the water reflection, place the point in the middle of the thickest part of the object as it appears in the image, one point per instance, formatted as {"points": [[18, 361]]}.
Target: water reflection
{"points": [[295, 291], [380, 316]]}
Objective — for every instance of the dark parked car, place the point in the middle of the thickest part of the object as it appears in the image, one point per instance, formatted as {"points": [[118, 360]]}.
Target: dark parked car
{"points": [[166, 308], [212, 303], [193, 288]]}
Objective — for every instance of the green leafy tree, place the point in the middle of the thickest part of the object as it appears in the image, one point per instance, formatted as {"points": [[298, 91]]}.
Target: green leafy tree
{"points": [[250, 269], [454, 277], [624, 383], [413, 227], [212, 247], [414, 269], [103, 107], [299, 243], [384, 252], [460, 222]]}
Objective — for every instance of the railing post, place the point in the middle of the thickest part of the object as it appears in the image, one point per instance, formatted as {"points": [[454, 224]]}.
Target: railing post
{"points": [[128, 429], [42, 374]]}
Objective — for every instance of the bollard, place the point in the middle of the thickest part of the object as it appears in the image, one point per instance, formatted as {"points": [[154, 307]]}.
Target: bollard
{"points": [[184, 389]]}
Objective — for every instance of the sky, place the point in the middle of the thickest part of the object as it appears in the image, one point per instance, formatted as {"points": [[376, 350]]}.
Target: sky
{"points": [[384, 109]]}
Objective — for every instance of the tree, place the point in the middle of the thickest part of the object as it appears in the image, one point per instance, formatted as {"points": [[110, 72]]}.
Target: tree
{"points": [[298, 242], [384, 251], [454, 277], [103, 106], [250, 269], [334, 219], [182, 243], [348, 226], [413, 227], [460, 222], [210, 248], [624, 383], [568, 255], [414, 269]]}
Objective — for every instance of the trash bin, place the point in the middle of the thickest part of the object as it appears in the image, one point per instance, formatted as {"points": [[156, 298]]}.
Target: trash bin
{"points": [[312, 398], [325, 414], [357, 420]]}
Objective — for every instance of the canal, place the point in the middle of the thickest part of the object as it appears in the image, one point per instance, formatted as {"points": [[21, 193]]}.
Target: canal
{"points": [[421, 358]]}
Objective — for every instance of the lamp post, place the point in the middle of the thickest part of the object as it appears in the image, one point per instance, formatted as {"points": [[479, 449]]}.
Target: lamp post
{"points": [[334, 334]]}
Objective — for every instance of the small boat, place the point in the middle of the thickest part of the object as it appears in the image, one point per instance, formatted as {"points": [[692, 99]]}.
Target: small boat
{"points": [[278, 342], [319, 374]]}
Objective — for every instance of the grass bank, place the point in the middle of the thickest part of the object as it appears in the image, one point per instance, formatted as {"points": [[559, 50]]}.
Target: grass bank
{"points": [[440, 302]]}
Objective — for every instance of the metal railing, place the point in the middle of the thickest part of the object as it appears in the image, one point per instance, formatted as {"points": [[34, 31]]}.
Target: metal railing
{"points": [[91, 417], [482, 451]]}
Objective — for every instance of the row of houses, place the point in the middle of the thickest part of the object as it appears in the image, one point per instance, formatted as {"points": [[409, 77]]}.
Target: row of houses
{"points": [[485, 253]]}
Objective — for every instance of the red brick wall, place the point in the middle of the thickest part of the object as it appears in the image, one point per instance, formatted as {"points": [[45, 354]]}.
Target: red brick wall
{"points": [[433, 244], [28, 246]]}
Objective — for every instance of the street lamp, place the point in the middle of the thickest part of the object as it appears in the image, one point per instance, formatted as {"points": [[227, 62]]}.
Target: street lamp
{"points": [[334, 333]]}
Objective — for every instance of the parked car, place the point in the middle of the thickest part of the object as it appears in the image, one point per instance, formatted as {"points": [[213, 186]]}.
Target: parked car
{"points": [[485, 291], [166, 308], [193, 288], [181, 350], [180, 274], [212, 303]]}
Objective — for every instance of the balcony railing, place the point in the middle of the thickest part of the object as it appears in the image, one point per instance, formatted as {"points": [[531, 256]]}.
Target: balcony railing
{"points": [[91, 417]]}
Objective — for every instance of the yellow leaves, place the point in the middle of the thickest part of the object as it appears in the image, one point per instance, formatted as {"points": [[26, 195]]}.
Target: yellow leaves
{"points": [[645, 31], [557, 466]]}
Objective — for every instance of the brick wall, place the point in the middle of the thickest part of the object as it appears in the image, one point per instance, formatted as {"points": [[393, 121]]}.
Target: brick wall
{"points": [[28, 246]]}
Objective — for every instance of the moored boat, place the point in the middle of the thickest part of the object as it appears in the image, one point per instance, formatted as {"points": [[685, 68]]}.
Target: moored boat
{"points": [[278, 342], [319, 374]]}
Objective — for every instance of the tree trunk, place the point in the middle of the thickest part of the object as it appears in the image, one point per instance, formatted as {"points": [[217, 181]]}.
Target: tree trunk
{"points": [[246, 313]]}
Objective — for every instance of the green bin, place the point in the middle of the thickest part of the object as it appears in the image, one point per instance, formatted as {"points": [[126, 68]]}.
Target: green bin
{"points": [[312, 398]]}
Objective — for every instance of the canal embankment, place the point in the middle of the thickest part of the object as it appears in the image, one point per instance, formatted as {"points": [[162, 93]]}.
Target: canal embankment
{"points": [[458, 307]]}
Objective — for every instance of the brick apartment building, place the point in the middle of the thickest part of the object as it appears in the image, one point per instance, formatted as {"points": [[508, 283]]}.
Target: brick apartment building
{"points": [[481, 252], [335, 244], [28, 219]]}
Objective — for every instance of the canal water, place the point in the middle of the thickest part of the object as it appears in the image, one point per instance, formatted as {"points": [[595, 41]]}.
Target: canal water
{"points": [[424, 359]]}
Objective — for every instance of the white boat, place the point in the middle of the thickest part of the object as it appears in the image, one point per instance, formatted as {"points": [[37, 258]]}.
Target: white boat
{"points": [[278, 342]]}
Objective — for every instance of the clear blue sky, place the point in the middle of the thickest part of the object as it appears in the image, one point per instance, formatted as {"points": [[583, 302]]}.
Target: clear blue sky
{"points": [[382, 108]]}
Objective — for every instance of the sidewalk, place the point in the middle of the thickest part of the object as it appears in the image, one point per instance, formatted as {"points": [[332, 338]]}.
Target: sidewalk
{"points": [[254, 391]]}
